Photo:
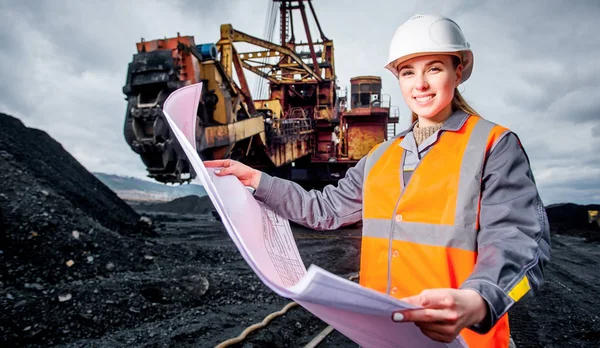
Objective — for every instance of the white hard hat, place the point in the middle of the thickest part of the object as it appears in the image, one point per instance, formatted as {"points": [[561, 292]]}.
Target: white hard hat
{"points": [[429, 34]]}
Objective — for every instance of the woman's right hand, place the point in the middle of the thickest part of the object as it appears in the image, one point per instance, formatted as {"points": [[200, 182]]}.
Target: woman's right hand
{"points": [[247, 175]]}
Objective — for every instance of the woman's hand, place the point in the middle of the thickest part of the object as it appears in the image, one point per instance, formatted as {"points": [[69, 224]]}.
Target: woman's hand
{"points": [[446, 312], [248, 176]]}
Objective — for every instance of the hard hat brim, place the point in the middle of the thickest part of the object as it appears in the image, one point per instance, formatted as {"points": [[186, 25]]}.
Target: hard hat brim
{"points": [[466, 57]]}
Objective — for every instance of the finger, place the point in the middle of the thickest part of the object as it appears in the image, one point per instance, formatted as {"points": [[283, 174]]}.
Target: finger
{"points": [[214, 163], [413, 300], [438, 336], [427, 315], [224, 171], [443, 327], [437, 298]]}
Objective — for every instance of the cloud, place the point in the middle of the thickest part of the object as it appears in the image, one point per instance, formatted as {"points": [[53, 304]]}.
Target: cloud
{"points": [[67, 64], [535, 71]]}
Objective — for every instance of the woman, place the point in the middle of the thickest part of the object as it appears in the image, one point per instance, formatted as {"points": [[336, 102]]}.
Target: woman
{"points": [[452, 218]]}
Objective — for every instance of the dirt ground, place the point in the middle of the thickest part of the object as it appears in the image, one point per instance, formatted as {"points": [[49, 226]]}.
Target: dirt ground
{"points": [[81, 268]]}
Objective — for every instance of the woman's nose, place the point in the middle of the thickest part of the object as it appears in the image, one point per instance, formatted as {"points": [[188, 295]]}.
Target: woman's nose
{"points": [[421, 82]]}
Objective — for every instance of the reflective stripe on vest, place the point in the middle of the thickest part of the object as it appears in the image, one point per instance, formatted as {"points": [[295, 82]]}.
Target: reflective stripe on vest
{"points": [[425, 235]]}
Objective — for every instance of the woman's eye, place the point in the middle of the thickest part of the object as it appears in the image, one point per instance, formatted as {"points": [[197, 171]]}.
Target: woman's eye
{"points": [[406, 73], [435, 68]]}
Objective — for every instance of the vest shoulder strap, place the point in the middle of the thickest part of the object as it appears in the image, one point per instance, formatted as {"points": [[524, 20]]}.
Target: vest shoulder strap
{"points": [[376, 152]]}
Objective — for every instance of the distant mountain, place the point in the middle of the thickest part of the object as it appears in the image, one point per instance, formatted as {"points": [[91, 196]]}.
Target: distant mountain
{"points": [[134, 189]]}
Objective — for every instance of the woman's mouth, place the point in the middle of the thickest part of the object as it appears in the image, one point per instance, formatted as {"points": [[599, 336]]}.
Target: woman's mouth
{"points": [[424, 99]]}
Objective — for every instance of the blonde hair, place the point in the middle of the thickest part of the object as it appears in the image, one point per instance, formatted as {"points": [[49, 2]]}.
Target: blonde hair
{"points": [[458, 102]]}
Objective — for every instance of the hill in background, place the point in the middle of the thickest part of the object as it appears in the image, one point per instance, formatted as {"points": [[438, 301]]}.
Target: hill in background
{"points": [[138, 190]]}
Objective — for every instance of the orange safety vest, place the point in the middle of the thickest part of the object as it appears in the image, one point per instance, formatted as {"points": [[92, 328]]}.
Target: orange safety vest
{"points": [[425, 236]]}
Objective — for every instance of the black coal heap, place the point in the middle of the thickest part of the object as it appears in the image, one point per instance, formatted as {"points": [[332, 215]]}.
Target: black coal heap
{"points": [[52, 209], [572, 219]]}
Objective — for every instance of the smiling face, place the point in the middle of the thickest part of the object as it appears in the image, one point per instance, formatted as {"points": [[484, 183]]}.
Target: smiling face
{"points": [[427, 84]]}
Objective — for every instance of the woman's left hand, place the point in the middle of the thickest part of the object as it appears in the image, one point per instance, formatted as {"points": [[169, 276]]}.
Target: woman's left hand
{"points": [[445, 312]]}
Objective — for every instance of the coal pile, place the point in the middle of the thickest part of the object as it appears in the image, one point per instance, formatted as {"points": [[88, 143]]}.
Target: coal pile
{"points": [[59, 226], [572, 220], [191, 204]]}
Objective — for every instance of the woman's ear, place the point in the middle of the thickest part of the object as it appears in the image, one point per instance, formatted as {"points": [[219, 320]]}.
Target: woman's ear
{"points": [[459, 71]]}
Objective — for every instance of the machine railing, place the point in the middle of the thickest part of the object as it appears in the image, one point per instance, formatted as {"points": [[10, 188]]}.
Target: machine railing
{"points": [[284, 129], [386, 101]]}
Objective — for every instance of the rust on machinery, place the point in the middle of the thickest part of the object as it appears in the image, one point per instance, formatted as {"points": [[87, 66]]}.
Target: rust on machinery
{"points": [[301, 128], [366, 123]]}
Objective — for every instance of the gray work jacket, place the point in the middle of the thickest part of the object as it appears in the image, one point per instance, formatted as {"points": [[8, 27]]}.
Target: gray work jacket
{"points": [[514, 235]]}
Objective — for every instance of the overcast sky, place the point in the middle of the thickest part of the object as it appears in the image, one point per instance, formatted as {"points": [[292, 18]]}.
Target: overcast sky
{"points": [[63, 65]]}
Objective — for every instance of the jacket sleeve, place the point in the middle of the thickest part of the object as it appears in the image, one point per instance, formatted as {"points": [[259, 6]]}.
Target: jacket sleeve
{"points": [[514, 236], [335, 206]]}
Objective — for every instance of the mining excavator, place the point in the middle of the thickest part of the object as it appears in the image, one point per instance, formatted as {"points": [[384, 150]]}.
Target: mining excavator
{"points": [[304, 130]]}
